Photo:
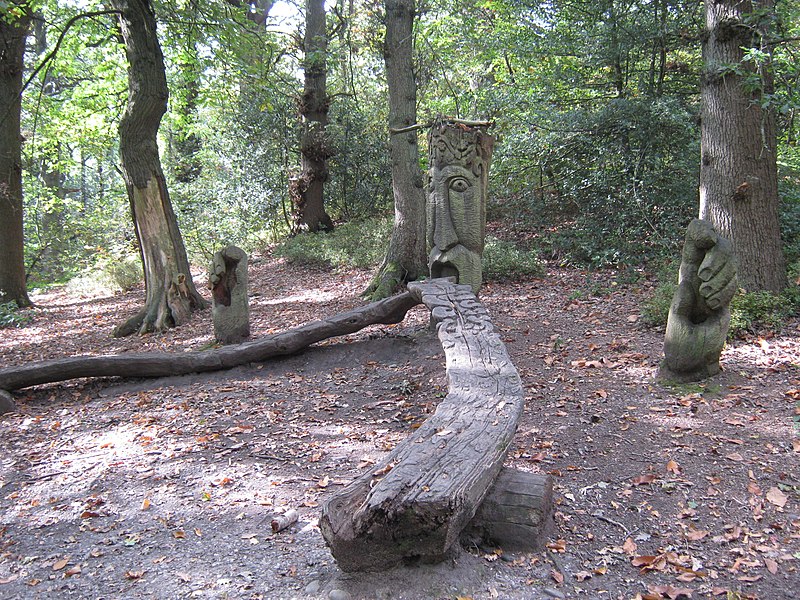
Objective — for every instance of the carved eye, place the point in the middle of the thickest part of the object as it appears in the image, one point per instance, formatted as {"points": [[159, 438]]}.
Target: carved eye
{"points": [[459, 184]]}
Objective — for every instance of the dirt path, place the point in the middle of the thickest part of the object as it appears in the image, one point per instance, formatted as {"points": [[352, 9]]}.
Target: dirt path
{"points": [[166, 488]]}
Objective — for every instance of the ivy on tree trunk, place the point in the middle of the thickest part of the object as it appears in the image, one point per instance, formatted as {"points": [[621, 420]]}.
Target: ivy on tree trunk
{"points": [[738, 173], [170, 293]]}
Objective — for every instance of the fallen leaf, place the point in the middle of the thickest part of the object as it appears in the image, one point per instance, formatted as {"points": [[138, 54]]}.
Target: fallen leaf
{"points": [[644, 479], [134, 574], [629, 547], [696, 534], [777, 497], [14, 577], [734, 456], [557, 577], [583, 575], [145, 504], [673, 467], [558, 545], [671, 592], [60, 564], [753, 488], [76, 570], [771, 565]]}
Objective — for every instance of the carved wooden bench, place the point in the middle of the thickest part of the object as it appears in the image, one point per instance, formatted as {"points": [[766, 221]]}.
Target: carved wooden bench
{"points": [[415, 504]]}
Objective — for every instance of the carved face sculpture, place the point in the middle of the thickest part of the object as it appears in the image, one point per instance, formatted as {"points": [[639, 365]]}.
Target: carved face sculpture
{"points": [[456, 207]]}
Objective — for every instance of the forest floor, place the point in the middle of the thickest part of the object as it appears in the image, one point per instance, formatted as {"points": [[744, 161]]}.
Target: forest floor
{"points": [[166, 488]]}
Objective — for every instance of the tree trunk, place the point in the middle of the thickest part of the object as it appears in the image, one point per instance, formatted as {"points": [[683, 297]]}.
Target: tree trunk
{"points": [[13, 32], [307, 190], [171, 294], [738, 173], [406, 258]]}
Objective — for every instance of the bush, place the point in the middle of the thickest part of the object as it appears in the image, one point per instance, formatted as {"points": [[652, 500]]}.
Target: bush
{"points": [[505, 260], [12, 316], [655, 309], [107, 276], [752, 311], [356, 244]]}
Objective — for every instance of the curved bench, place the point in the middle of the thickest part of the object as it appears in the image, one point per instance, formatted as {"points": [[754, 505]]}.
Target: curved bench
{"points": [[415, 504]]}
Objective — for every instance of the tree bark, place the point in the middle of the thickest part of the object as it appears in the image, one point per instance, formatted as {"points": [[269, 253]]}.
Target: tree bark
{"points": [[163, 364], [307, 190], [170, 293], [738, 173], [13, 32], [406, 258]]}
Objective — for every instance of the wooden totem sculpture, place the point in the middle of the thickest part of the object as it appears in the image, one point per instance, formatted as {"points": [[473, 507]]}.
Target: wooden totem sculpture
{"points": [[460, 153], [228, 282]]}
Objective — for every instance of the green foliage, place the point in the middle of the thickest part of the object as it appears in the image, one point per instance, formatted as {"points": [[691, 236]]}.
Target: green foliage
{"points": [[752, 311], [655, 308], [355, 244], [12, 316], [505, 260]]}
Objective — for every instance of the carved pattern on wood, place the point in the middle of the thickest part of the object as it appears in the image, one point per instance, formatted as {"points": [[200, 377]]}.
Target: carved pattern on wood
{"points": [[414, 504], [456, 206]]}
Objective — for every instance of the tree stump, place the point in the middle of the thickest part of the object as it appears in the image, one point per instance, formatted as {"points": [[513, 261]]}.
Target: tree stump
{"points": [[229, 309], [414, 505]]}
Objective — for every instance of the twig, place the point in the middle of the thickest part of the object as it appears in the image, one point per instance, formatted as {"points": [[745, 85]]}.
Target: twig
{"points": [[602, 517]]}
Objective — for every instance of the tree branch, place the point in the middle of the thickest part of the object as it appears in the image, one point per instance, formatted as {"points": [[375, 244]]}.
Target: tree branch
{"points": [[51, 55]]}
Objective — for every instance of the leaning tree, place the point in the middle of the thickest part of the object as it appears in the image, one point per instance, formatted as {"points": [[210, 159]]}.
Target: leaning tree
{"points": [[738, 172], [14, 23], [170, 293]]}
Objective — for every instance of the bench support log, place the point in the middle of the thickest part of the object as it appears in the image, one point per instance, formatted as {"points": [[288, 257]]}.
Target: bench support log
{"points": [[413, 506], [516, 515]]}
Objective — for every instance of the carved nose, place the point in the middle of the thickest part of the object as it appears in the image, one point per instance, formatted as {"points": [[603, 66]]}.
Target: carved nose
{"points": [[444, 236]]}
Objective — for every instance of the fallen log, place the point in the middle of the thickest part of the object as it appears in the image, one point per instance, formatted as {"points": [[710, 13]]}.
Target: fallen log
{"points": [[163, 364], [413, 506]]}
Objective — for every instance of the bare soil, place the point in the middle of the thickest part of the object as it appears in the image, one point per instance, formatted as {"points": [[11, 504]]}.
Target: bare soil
{"points": [[167, 488]]}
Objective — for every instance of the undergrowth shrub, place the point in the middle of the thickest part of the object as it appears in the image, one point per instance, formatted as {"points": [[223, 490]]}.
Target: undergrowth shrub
{"points": [[107, 276], [752, 311], [12, 316], [505, 260], [359, 244]]}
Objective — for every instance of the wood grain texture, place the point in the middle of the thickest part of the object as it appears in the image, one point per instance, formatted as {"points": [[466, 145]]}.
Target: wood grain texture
{"points": [[517, 513], [413, 506], [163, 364]]}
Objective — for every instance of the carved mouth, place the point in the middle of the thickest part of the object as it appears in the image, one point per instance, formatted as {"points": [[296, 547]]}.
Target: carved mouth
{"points": [[444, 269]]}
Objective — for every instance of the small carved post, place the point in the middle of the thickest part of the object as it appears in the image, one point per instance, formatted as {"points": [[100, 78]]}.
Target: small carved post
{"points": [[459, 154], [228, 283], [699, 315]]}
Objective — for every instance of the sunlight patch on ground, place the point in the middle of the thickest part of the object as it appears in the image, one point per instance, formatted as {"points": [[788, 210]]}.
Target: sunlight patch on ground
{"points": [[312, 296]]}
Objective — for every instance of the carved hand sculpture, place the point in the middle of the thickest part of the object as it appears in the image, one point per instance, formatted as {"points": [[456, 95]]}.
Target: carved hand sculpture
{"points": [[699, 315]]}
